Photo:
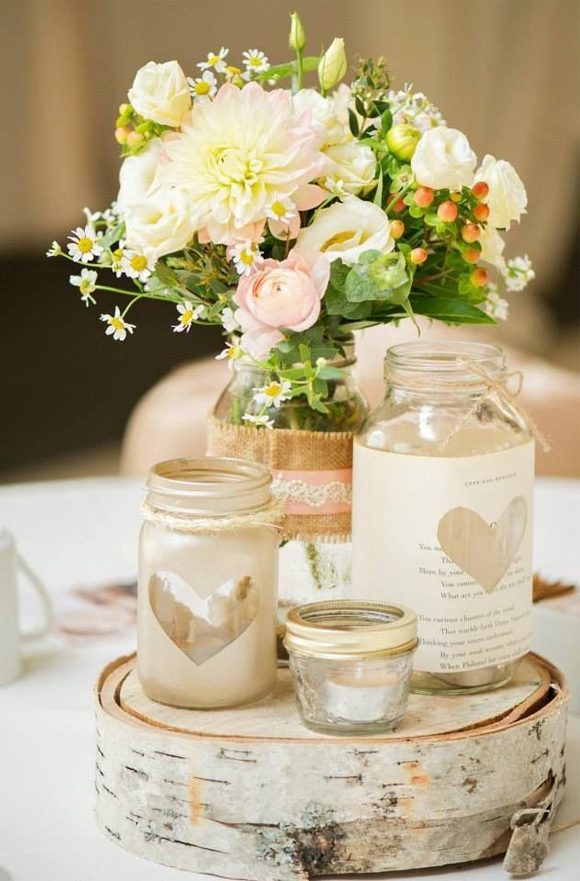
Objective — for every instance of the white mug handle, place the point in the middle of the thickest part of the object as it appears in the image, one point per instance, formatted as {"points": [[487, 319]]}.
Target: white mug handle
{"points": [[47, 624]]}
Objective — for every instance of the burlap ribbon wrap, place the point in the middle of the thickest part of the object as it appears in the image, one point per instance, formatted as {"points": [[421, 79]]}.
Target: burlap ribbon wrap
{"points": [[312, 474]]}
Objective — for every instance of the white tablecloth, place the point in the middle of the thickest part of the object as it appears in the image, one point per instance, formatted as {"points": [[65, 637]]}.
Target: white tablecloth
{"points": [[84, 532]]}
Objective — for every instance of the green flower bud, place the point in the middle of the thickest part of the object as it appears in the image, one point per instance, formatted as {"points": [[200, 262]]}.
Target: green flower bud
{"points": [[402, 140], [297, 39], [333, 65]]}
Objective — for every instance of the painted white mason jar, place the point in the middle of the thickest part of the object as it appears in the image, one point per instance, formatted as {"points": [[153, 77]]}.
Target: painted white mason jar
{"points": [[442, 512], [207, 584]]}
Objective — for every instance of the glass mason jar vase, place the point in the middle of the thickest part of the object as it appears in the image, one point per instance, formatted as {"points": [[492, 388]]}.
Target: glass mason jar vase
{"points": [[442, 512], [320, 567], [207, 584]]}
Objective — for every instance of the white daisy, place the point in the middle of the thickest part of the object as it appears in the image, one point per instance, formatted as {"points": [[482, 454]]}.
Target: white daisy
{"points": [[86, 282], [117, 261], [117, 326], [281, 208], [215, 61], [83, 246], [246, 256], [55, 250], [204, 87], [232, 352], [187, 314], [258, 421], [273, 394], [518, 273], [228, 320], [135, 265], [254, 62]]}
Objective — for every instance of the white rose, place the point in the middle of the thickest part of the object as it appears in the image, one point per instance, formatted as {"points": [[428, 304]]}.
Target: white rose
{"points": [[330, 114], [138, 176], [160, 92], [351, 166], [507, 197], [346, 229], [492, 246], [162, 225], [443, 159]]}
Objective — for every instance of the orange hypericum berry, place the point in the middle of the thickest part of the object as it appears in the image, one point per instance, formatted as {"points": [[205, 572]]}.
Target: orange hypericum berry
{"points": [[447, 211], [418, 255], [471, 255], [397, 228], [480, 189], [398, 206], [424, 196], [481, 211], [479, 277], [470, 233], [121, 134]]}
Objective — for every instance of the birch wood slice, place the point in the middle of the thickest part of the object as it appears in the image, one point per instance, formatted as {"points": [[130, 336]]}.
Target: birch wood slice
{"points": [[252, 795]]}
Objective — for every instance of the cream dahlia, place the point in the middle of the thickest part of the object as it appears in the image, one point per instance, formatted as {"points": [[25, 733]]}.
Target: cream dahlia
{"points": [[238, 153]]}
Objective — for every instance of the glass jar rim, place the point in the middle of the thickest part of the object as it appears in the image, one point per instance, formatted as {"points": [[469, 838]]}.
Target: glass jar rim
{"points": [[351, 628], [204, 482], [444, 362]]}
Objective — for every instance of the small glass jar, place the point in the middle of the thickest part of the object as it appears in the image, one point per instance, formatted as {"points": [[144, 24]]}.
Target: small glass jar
{"points": [[207, 584], [351, 663], [442, 511]]}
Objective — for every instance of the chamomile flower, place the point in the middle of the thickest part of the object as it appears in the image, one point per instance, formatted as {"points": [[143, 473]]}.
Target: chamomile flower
{"points": [[55, 250], [232, 352], [204, 87], [273, 394], [215, 61], [414, 108], [117, 327], [84, 244], [281, 208], [228, 320], [246, 256], [517, 273], [187, 313], [258, 421], [495, 306], [234, 75], [86, 282], [135, 265], [117, 261], [254, 62]]}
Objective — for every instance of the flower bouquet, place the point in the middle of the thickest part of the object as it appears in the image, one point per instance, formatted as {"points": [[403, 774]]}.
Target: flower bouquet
{"points": [[293, 209]]}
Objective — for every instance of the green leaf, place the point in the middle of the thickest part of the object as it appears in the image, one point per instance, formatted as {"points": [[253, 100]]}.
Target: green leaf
{"points": [[279, 71], [166, 275], [353, 123], [338, 274], [386, 123], [336, 303], [449, 309], [378, 276]]}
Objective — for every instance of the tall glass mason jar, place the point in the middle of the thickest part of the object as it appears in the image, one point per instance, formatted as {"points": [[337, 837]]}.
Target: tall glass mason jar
{"points": [[320, 567], [207, 584], [442, 512]]}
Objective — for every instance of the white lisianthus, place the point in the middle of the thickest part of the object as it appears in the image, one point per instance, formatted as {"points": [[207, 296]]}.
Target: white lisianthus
{"points": [[162, 225], [492, 246], [330, 114], [160, 93], [443, 159], [138, 176], [507, 198], [351, 163], [346, 229]]}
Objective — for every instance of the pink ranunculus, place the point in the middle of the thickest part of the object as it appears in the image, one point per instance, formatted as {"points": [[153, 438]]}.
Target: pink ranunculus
{"points": [[278, 295]]}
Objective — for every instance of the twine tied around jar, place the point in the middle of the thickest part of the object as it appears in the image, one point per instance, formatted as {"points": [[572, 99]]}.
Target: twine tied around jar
{"points": [[269, 515], [499, 386]]}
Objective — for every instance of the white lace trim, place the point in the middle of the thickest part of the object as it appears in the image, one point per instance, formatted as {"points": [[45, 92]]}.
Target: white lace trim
{"points": [[309, 494]]}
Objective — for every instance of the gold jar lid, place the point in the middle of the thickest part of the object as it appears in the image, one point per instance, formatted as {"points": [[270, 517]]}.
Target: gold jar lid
{"points": [[350, 629]]}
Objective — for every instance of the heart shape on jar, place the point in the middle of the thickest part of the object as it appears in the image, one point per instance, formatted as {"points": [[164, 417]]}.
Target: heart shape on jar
{"points": [[201, 628], [485, 552]]}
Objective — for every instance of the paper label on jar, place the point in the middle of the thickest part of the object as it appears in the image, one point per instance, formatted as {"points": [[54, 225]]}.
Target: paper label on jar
{"points": [[452, 539]]}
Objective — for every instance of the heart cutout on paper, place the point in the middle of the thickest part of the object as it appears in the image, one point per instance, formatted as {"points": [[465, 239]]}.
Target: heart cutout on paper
{"points": [[201, 628], [485, 552]]}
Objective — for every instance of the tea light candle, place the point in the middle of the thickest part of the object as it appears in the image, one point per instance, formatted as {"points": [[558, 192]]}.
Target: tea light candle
{"points": [[351, 662]]}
